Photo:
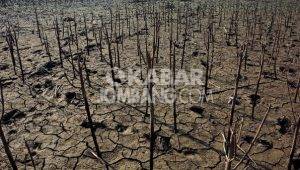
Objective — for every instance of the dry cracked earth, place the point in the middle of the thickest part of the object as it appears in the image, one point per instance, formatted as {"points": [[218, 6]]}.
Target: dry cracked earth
{"points": [[48, 110]]}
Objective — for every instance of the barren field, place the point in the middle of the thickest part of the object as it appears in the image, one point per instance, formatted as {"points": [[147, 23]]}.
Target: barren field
{"points": [[56, 60]]}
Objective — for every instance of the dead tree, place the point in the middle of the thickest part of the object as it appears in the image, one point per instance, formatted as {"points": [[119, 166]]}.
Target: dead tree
{"points": [[38, 24], [118, 52], [231, 116], [86, 36], [174, 91], [199, 23], [246, 153], [221, 14], [164, 16], [255, 96], [70, 33], [100, 46], [119, 36], [93, 23], [171, 43], [246, 58], [289, 95], [16, 40], [7, 150], [184, 41], [152, 119], [111, 63], [87, 108], [122, 34], [178, 24], [46, 45], [10, 42], [212, 40], [71, 57], [128, 21], [76, 33], [248, 23], [231, 143], [275, 50], [2, 99], [147, 63], [157, 37], [146, 37], [207, 65], [63, 24], [57, 34], [87, 72], [115, 26], [236, 21], [115, 55], [254, 26], [297, 91], [294, 146], [30, 154], [138, 45], [2, 136], [231, 30], [111, 22]]}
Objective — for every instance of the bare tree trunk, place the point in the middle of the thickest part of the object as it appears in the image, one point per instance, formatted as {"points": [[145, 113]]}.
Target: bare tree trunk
{"points": [[294, 146], [148, 68], [212, 40], [207, 64], [16, 38], [87, 109], [2, 136], [152, 122], [171, 40], [127, 21], [118, 55], [184, 41], [111, 62], [37, 24], [30, 154], [138, 43], [152, 119], [275, 51], [111, 22], [63, 24], [240, 55], [254, 26], [86, 72], [297, 91], [57, 33], [290, 98], [150, 86], [157, 36], [254, 139], [177, 24], [100, 44], [255, 97], [46, 45], [174, 92], [72, 60], [2, 99], [10, 43], [86, 36], [76, 33]]}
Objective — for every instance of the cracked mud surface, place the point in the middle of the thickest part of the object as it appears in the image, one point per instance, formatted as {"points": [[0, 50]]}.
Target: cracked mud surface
{"points": [[49, 113]]}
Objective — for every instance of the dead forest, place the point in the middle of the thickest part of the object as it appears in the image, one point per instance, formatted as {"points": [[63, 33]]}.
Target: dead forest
{"points": [[56, 58]]}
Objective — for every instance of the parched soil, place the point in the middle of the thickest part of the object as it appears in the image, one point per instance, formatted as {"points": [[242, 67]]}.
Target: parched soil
{"points": [[48, 110]]}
